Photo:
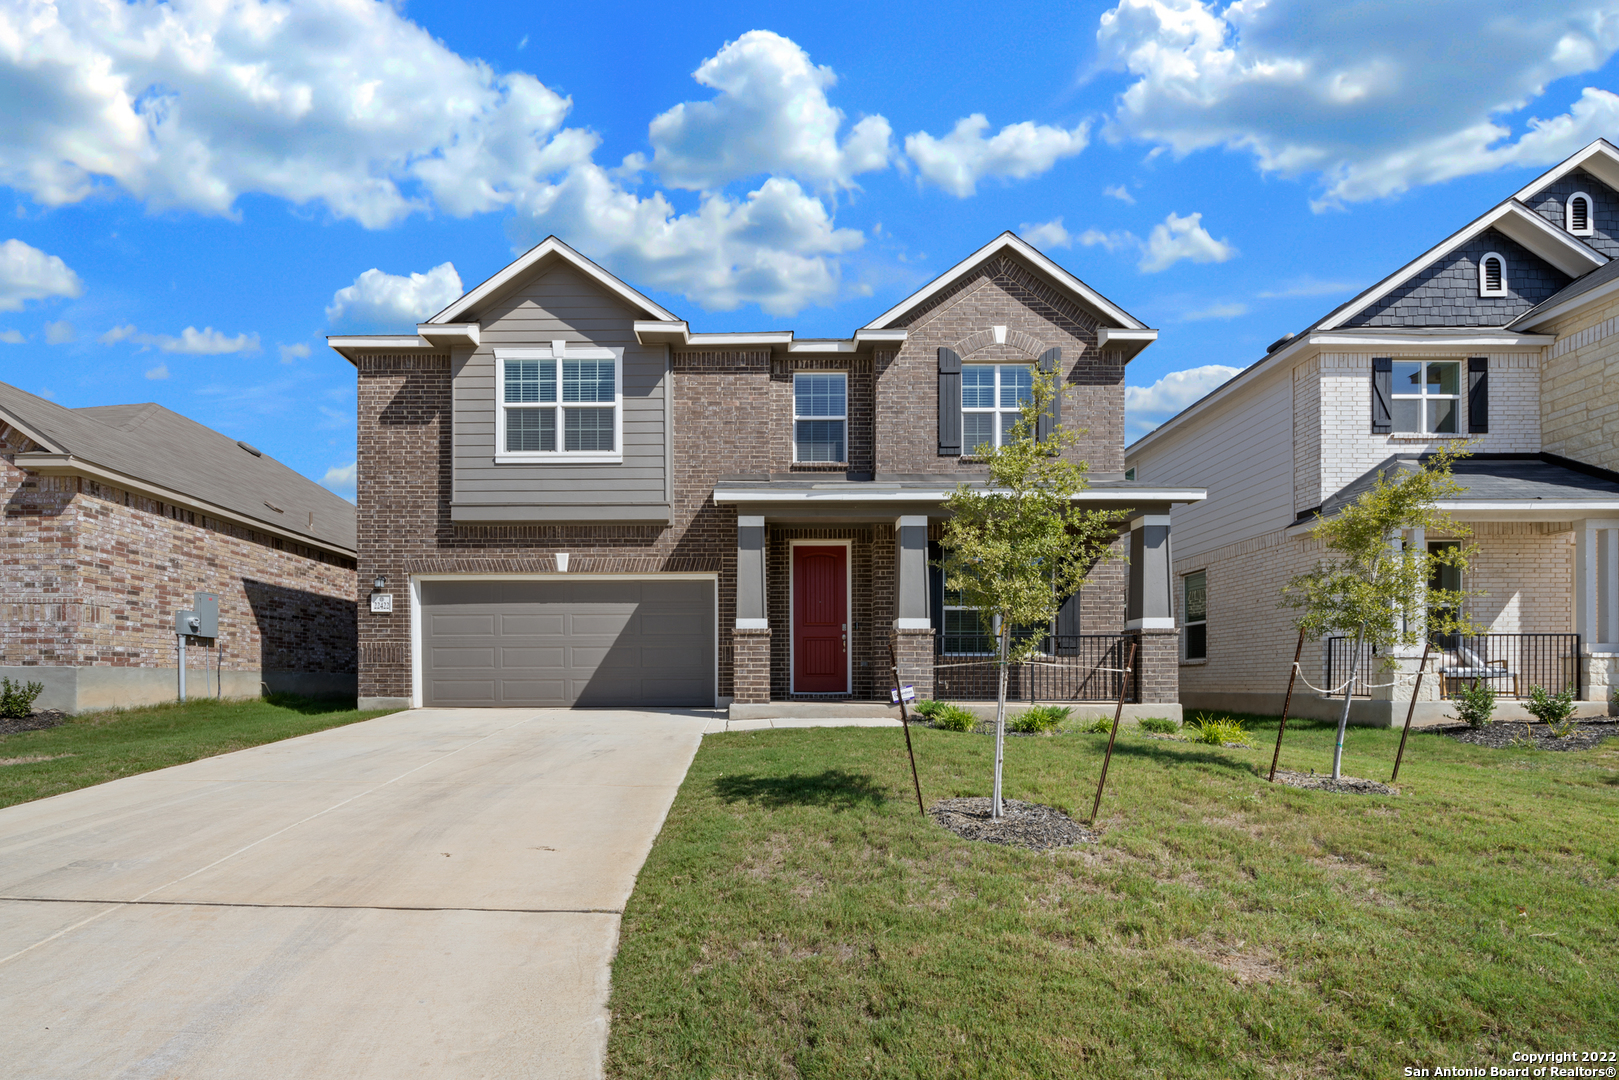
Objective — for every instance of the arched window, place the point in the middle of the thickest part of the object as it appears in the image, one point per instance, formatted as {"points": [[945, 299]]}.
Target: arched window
{"points": [[1577, 214], [1492, 275]]}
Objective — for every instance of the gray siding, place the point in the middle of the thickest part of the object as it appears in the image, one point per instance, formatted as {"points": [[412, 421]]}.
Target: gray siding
{"points": [[1549, 203], [1446, 293], [560, 303]]}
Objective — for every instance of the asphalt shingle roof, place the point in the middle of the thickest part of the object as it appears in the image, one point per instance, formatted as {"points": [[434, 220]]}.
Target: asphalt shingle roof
{"points": [[1497, 478]]}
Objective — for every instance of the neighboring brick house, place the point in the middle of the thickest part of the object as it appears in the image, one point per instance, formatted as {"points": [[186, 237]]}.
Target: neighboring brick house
{"points": [[580, 501], [1506, 333], [117, 515]]}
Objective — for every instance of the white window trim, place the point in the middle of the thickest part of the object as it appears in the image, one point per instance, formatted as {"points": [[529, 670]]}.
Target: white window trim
{"points": [[558, 351], [1424, 397], [1568, 215], [967, 451], [844, 418], [1485, 290], [1186, 620]]}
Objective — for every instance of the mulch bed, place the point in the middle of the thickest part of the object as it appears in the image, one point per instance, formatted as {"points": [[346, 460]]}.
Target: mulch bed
{"points": [[1344, 785], [1027, 825], [37, 721], [1509, 735]]}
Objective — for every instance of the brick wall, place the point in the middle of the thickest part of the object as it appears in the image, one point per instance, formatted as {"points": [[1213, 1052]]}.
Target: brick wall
{"points": [[1579, 403]]}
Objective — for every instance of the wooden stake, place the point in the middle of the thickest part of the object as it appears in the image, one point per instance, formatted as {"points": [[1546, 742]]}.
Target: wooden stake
{"points": [[1287, 703], [905, 722], [1124, 685], [1421, 668]]}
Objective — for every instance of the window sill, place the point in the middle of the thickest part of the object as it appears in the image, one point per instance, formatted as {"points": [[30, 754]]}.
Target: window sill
{"points": [[559, 459], [1194, 663], [821, 466], [1430, 436]]}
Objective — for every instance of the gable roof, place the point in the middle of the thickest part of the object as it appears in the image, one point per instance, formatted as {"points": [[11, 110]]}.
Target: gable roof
{"points": [[1108, 312], [1597, 285], [159, 449], [1600, 159], [547, 249]]}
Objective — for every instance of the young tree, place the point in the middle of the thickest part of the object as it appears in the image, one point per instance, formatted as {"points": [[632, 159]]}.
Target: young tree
{"points": [[1377, 587], [1015, 547]]}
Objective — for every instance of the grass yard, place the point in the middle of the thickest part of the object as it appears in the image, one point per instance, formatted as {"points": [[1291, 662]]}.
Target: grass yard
{"points": [[96, 747], [798, 918]]}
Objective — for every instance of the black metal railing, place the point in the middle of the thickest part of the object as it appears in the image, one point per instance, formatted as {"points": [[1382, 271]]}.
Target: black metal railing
{"points": [[1069, 667], [1511, 664]]}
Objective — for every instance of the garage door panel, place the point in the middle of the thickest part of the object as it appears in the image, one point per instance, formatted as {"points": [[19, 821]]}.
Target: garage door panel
{"points": [[558, 643]]}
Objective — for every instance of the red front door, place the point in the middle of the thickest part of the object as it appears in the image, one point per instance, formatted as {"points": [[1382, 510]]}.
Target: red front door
{"points": [[820, 620]]}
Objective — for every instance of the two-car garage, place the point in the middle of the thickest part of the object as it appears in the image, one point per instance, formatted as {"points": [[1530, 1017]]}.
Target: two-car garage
{"points": [[586, 641]]}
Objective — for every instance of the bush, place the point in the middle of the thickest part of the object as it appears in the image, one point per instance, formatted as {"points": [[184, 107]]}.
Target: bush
{"points": [[1100, 726], [943, 714], [1475, 703], [1216, 731], [1159, 725], [1553, 710], [17, 699], [1038, 719]]}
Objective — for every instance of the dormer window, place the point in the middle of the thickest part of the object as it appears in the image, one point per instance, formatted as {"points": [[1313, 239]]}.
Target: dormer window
{"points": [[1577, 214], [1492, 275]]}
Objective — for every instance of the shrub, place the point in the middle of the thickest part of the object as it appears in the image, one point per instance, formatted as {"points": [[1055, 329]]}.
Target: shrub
{"points": [[1159, 725], [1100, 726], [943, 714], [17, 698], [1038, 719], [1216, 731], [1475, 703], [1553, 710]]}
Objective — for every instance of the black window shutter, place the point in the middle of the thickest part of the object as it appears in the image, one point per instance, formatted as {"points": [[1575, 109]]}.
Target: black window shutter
{"points": [[936, 585], [949, 402], [1478, 394], [1050, 362], [1068, 627], [1382, 393]]}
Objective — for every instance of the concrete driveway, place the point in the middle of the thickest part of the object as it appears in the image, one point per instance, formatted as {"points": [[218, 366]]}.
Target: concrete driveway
{"points": [[435, 893]]}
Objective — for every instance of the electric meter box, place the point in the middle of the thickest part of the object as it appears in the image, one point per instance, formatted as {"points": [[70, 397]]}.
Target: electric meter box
{"points": [[205, 606]]}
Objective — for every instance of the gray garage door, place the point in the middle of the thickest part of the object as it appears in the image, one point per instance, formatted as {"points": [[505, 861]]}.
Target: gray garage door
{"points": [[560, 643]]}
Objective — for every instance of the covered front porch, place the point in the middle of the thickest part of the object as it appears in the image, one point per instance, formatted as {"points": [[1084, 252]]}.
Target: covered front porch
{"points": [[833, 574]]}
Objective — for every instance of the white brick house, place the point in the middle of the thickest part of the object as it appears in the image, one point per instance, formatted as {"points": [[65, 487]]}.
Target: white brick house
{"points": [[1506, 333]]}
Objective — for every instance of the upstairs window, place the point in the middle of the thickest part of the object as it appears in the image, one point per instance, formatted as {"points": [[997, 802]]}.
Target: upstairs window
{"points": [[1577, 214], [992, 396], [1427, 396], [1492, 275], [820, 416], [564, 408]]}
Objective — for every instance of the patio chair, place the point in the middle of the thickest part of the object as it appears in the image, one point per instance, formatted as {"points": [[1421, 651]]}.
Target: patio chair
{"points": [[1467, 666]]}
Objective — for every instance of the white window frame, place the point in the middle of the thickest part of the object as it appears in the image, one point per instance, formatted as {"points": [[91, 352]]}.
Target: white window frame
{"points": [[1423, 397], [1483, 286], [1186, 617], [1590, 215], [557, 352], [844, 419], [998, 410]]}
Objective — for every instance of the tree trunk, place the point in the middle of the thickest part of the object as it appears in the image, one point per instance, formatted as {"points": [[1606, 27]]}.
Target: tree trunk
{"points": [[1000, 720], [1343, 718]]}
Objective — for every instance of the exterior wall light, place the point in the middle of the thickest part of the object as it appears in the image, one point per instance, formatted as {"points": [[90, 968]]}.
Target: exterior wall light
{"points": [[379, 582]]}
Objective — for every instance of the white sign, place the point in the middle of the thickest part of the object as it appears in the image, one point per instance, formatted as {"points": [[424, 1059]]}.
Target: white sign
{"points": [[908, 692], [382, 602]]}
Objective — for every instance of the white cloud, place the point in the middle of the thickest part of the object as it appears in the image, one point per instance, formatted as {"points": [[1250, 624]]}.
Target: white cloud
{"points": [[191, 341], [1176, 238], [12, 337], [118, 333], [1120, 192], [381, 299], [1308, 286], [957, 161], [1117, 240], [341, 478], [1372, 98], [159, 372], [290, 353], [1047, 234], [770, 116], [59, 333], [1216, 311], [27, 273], [1145, 407]]}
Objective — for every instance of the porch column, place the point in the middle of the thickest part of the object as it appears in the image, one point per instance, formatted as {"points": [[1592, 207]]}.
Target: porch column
{"points": [[913, 627], [1405, 659], [1149, 611], [751, 636], [1596, 603]]}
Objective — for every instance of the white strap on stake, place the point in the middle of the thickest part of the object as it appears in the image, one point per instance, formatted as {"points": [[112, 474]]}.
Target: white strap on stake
{"points": [[1399, 676]]}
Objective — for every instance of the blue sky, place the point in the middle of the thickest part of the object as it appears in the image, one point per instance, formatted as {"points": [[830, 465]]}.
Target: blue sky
{"points": [[202, 192]]}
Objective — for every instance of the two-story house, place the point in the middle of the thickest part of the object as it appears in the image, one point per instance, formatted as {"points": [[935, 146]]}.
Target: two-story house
{"points": [[580, 501], [1504, 334]]}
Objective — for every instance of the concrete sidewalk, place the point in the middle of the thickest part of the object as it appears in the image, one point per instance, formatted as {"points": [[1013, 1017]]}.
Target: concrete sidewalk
{"points": [[435, 893]]}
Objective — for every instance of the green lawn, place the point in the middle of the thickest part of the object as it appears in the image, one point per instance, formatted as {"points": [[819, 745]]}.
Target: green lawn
{"points": [[96, 747], [798, 918]]}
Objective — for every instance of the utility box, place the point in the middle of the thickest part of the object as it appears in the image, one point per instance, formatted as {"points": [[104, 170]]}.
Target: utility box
{"points": [[205, 605], [186, 622]]}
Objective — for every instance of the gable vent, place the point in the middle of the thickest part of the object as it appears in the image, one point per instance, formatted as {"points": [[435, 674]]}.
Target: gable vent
{"points": [[1579, 214], [1492, 275]]}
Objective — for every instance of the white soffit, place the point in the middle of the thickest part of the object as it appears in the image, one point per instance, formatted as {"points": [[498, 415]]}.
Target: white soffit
{"points": [[546, 248], [347, 345], [1600, 159], [1009, 241]]}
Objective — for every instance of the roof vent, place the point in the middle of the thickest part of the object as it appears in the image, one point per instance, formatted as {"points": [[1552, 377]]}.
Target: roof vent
{"points": [[255, 451], [1279, 342], [273, 506]]}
